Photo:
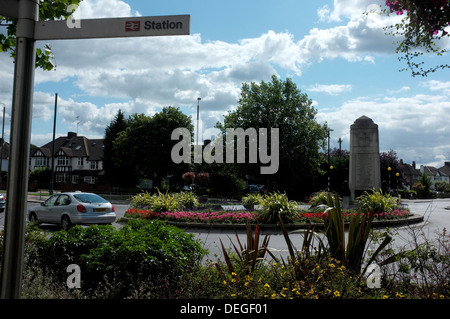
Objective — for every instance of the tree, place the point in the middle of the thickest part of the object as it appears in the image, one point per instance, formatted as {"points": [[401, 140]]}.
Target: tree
{"points": [[48, 10], [340, 161], [424, 24], [144, 148], [389, 177], [114, 173], [280, 104]]}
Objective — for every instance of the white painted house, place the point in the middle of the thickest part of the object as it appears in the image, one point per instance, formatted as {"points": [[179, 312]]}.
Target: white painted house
{"points": [[77, 159]]}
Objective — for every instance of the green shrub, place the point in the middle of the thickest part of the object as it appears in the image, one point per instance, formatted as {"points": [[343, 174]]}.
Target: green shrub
{"points": [[187, 199], [252, 199], [139, 251], [318, 199], [276, 204], [377, 202], [164, 202]]}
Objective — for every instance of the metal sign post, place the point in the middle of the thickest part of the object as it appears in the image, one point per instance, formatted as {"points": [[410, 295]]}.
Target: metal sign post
{"points": [[28, 31], [16, 203]]}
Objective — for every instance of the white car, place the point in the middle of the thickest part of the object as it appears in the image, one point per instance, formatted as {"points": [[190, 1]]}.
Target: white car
{"points": [[67, 209]]}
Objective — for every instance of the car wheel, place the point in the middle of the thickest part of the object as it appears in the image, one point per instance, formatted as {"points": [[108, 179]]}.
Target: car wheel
{"points": [[66, 223], [33, 218]]}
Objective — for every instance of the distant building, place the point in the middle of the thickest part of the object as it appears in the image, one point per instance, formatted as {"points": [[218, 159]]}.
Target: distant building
{"points": [[445, 169], [436, 174], [411, 174], [78, 160], [4, 154]]}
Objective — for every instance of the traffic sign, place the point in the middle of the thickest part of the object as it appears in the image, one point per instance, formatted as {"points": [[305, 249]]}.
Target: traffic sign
{"points": [[9, 8], [112, 27]]}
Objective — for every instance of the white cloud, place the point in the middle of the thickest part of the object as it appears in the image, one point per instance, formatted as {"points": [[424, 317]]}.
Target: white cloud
{"points": [[90, 9], [331, 89], [435, 85]]}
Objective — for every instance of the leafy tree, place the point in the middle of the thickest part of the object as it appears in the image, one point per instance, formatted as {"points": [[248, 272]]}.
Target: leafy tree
{"points": [[114, 173], [144, 148], [424, 24], [41, 176], [339, 160], [48, 10], [390, 160], [280, 104]]}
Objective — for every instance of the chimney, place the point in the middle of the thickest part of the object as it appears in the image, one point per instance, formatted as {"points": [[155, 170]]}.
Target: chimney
{"points": [[71, 135], [414, 164], [447, 164]]}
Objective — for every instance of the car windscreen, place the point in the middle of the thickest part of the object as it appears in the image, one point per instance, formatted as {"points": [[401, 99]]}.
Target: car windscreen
{"points": [[89, 198]]}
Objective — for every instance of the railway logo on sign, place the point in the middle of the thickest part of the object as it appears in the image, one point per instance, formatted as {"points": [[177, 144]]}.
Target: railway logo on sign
{"points": [[133, 26]]}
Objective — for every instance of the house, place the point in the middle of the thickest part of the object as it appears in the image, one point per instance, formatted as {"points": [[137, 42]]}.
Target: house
{"points": [[445, 169], [411, 173], [4, 155], [436, 175], [77, 159]]}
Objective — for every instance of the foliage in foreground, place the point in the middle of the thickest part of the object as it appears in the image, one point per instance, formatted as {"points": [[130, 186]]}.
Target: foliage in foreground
{"points": [[141, 251], [242, 273]]}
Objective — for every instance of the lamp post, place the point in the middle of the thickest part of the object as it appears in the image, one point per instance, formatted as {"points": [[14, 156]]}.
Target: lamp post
{"points": [[198, 114], [196, 144], [330, 167], [389, 173], [397, 175]]}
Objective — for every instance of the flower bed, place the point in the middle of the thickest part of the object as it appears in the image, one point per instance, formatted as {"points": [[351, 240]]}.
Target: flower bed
{"points": [[241, 217], [395, 214], [196, 217]]}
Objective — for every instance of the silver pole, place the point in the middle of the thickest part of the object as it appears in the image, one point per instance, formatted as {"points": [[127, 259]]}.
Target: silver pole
{"points": [[52, 179], [14, 237], [3, 142]]}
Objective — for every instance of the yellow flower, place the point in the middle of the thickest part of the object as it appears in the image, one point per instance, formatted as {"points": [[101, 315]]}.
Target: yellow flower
{"points": [[337, 293], [233, 295], [224, 282], [246, 284], [332, 265], [385, 297], [266, 286], [233, 274]]}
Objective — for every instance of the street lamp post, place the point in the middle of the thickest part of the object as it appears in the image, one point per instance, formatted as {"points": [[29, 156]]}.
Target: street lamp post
{"points": [[196, 144], [329, 166], [389, 173]]}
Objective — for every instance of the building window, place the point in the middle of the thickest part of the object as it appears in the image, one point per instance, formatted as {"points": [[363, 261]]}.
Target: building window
{"points": [[89, 179], [80, 161], [75, 179], [62, 161], [41, 162], [61, 177], [94, 164]]}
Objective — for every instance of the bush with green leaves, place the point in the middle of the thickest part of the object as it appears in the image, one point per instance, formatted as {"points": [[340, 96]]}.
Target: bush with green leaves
{"points": [[377, 202], [139, 251], [277, 205], [164, 202], [252, 199]]}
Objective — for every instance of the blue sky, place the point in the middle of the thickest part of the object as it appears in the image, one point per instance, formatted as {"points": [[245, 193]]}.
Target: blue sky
{"points": [[334, 53]]}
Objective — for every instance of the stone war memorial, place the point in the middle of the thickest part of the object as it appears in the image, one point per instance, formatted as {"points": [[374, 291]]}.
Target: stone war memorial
{"points": [[364, 172]]}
